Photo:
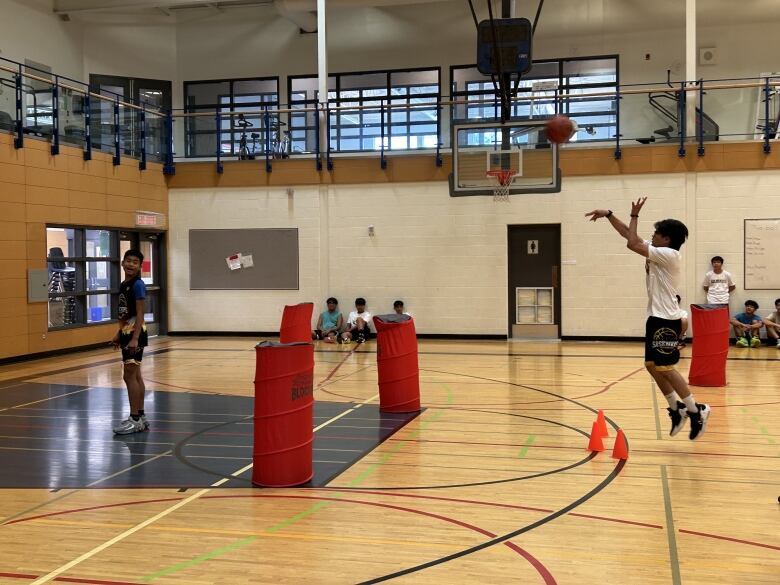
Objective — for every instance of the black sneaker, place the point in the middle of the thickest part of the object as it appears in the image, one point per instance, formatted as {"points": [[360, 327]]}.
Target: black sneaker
{"points": [[678, 416], [361, 338], [699, 421]]}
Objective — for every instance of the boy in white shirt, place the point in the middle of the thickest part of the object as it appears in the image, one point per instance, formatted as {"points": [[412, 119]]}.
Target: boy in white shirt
{"points": [[358, 323], [772, 324], [664, 314], [718, 283]]}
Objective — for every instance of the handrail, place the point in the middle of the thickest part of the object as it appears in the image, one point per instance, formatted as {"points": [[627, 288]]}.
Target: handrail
{"points": [[55, 81]]}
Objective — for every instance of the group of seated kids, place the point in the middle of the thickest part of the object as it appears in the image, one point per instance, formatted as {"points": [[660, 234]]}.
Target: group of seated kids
{"points": [[747, 326], [331, 328]]}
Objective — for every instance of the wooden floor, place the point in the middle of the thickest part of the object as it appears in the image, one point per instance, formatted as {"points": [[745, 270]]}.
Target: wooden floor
{"points": [[491, 484]]}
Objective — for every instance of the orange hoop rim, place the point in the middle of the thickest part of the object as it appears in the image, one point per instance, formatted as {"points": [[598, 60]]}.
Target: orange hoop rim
{"points": [[503, 176]]}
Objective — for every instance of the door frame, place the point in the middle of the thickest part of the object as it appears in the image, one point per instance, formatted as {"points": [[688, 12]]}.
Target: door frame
{"points": [[160, 267], [557, 284]]}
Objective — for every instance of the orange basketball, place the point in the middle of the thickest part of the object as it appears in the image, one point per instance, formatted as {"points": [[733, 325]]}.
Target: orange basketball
{"points": [[560, 129]]}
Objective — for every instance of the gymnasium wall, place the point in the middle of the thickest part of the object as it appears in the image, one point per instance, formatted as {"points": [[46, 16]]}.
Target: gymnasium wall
{"points": [[447, 258], [36, 189]]}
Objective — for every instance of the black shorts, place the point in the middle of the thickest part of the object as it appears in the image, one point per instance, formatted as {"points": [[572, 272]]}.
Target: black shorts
{"points": [[366, 332], [661, 339], [130, 357]]}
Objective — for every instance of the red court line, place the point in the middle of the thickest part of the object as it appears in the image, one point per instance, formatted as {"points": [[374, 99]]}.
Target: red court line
{"points": [[535, 563], [498, 505], [730, 539], [67, 579]]}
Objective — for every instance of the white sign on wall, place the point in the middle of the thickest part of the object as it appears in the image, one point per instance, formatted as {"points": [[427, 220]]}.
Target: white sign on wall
{"points": [[762, 261], [533, 246]]}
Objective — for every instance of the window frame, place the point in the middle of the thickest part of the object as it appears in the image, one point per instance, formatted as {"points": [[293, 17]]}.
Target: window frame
{"points": [[564, 86], [81, 261], [190, 132], [337, 129]]}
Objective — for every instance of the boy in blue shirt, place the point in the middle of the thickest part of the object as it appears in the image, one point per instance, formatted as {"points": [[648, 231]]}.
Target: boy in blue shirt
{"points": [[131, 339], [330, 322], [747, 326]]}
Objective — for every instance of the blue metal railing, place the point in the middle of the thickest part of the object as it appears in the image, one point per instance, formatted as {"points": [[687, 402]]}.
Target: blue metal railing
{"points": [[143, 131]]}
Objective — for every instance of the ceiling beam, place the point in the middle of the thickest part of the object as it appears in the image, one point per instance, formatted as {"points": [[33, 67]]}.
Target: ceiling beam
{"points": [[86, 6]]}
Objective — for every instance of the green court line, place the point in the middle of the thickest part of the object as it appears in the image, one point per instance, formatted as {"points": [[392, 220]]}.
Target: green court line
{"points": [[528, 442], [197, 560], [308, 511], [653, 387], [673, 556]]}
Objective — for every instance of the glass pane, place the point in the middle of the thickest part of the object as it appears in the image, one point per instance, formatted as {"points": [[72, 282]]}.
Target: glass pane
{"points": [[98, 276], [98, 308], [150, 308], [61, 242], [526, 315], [147, 267], [525, 297], [98, 243], [544, 297], [63, 311], [544, 315], [62, 277], [124, 246]]}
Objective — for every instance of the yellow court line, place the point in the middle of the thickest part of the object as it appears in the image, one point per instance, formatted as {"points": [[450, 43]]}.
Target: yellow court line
{"points": [[45, 399], [130, 531]]}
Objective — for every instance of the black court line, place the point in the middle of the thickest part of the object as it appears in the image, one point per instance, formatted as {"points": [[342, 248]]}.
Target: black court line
{"points": [[509, 536], [71, 450]]}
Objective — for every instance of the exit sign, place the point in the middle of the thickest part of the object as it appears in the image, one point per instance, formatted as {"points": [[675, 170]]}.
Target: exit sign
{"points": [[149, 219]]}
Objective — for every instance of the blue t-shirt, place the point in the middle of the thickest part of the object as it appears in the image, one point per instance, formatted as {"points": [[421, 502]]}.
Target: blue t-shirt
{"points": [[130, 291], [330, 320], [747, 319]]}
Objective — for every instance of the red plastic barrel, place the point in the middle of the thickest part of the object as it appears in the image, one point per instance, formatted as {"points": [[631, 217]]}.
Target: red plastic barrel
{"points": [[284, 400], [396, 360], [710, 345], [296, 323]]}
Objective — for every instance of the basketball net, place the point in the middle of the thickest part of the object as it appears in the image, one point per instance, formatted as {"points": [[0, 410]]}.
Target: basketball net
{"points": [[503, 180]]}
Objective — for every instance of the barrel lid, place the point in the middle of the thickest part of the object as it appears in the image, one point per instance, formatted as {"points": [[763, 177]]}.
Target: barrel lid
{"points": [[277, 344], [393, 318], [710, 307]]}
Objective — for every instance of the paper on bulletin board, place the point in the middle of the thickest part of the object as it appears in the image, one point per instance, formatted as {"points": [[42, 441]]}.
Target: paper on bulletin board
{"points": [[247, 261], [234, 261]]}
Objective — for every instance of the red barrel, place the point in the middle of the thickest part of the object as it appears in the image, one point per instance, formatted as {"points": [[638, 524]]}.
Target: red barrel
{"points": [[284, 400], [396, 360], [710, 345], [296, 323]]}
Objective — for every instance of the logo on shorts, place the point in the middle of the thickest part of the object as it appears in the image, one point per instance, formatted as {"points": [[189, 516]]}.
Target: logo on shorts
{"points": [[665, 341]]}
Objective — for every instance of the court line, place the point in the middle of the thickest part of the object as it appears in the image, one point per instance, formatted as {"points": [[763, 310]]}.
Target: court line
{"points": [[674, 559], [46, 399], [129, 532], [510, 535], [528, 442], [198, 560]]}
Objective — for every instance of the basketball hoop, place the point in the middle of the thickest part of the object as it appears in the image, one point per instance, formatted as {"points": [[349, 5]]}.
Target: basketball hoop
{"points": [[503, 180]]}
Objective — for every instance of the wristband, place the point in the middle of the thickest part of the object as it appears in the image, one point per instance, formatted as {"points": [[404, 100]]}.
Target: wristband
{"points": [[609, 213], [634, 215]]}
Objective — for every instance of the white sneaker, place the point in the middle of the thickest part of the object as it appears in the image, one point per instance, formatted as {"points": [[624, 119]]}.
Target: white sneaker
{"points": [[145, 422], [778, 344], [129, 426]]}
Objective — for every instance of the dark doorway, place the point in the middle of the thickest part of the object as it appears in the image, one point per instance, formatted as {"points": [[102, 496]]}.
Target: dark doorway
{"points": [[534, 253]]}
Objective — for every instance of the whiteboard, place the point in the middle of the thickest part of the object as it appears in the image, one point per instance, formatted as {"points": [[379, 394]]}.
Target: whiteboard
{"points": [[762, 254]]}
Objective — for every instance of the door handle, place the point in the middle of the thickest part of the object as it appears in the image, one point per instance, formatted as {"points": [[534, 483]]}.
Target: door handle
{"points": [[555, 277]]}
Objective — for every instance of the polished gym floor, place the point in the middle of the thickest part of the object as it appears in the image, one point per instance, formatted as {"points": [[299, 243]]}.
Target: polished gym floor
{"points": [[490, 483]]}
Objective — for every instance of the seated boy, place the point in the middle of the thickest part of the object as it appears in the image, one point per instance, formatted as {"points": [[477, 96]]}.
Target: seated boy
{"points": [[330, 322], [358, 323], [772, 324], [747, 326]]}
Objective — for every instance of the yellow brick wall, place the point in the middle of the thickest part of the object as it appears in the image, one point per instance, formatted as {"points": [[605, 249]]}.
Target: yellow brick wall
{"points": [[37, 188]]}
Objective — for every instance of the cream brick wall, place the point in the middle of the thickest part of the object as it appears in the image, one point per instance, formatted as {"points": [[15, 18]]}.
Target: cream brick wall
{"points": [[447, 258]]}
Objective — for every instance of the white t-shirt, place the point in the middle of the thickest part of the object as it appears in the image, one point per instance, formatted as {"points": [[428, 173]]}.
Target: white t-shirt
{"points": [[718, 287], [663, 274], [353, 317]]}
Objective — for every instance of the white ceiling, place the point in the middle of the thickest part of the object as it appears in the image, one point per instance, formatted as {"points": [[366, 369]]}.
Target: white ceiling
{"points": [[558, 18]]}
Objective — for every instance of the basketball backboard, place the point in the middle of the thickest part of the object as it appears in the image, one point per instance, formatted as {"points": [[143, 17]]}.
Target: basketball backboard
{"points": [[519, 146]]}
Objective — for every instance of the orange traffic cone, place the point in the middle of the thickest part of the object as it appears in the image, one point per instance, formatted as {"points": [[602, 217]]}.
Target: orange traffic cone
{"points": [[620, 451], [595, 443], [602, 424]]}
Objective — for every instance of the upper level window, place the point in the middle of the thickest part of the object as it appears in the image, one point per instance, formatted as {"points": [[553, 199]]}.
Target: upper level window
{"points": [[251, 96], [408, 99], [536, 94]]}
